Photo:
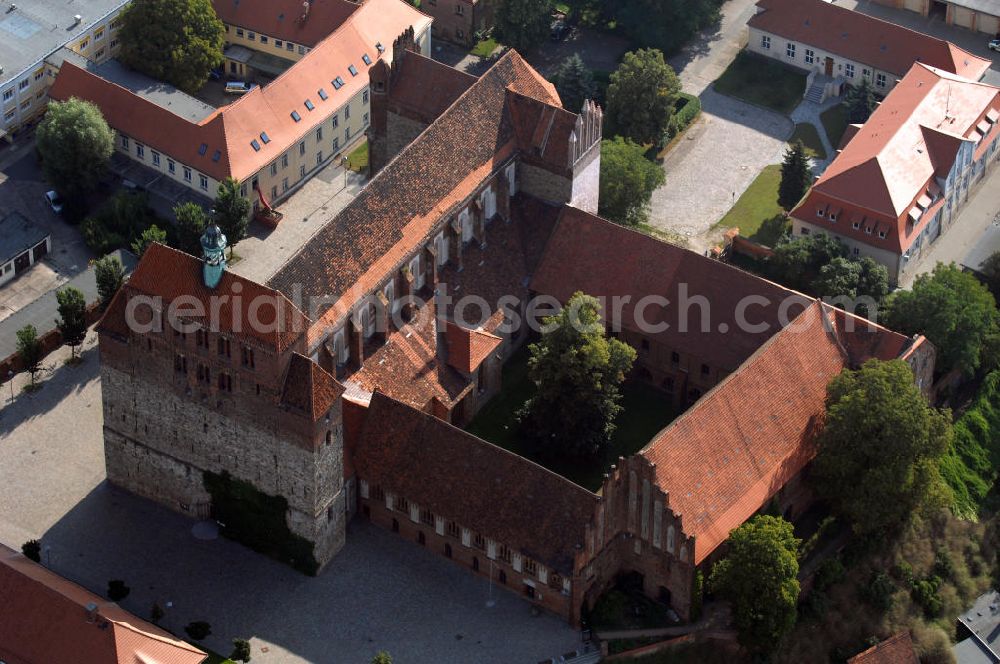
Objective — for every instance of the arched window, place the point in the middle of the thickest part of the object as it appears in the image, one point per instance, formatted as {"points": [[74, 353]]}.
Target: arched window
{"points": [[417, 272], [465, 220], [684, 553], [389, 293], [670, 539], [368, 320], [340, 347]]}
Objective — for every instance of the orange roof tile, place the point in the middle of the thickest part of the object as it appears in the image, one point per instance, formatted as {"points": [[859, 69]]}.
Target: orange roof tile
{"points": [[468, 348], [309, 388], [862, 38], [286, 19], [897, 649], [45, 618]]}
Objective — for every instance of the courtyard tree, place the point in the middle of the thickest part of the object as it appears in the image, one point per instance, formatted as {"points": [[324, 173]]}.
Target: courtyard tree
{"points": [[641, 96], [190, 224], [241, 650], [75, 144], [198, 630], [628, 181], [880, 447], [843, 277], [860, 102], [109, 274], [152, 234], [29, 350], [574, 83], [177, 41], [232, 212], [117, 590], [954, 311], [72, 321], [796, 176], [796, 263], [523, 24], [577, 371], [759, 575], [32, 550]]}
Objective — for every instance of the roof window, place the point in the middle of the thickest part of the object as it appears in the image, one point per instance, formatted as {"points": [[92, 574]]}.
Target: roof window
{"points": [[322, 94], [264, 137], [309, 105], [202, 149], [338, 83], [353, 70], [217, 155], [367, 60], [255, 144], [381, 49], [296, 116]]}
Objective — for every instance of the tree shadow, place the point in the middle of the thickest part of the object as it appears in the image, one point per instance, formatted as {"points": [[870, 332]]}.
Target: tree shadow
{"points": [[771, 230]]}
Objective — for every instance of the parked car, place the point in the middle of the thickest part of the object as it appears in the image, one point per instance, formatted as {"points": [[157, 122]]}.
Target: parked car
{"points": [[52, 198], [239, 87], [560, 30], [994, 44]]}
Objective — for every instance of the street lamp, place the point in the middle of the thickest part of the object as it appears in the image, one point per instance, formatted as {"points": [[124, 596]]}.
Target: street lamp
{"points": [[344, 162]]}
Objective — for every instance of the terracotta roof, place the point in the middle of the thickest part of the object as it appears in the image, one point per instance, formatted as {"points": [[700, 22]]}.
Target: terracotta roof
{"points": [[113, 320], [862, 38], [171, 274], [897, 649], [230, 130], [892, 162], [427, 86], [354, 252], [603, 259], [482, 487], [309, 388], [737, 446], [467, 348], [44, 618], [285, 19]]}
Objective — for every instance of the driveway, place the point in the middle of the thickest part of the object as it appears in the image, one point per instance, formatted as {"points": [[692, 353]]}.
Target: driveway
{"points": [[380, 592]]}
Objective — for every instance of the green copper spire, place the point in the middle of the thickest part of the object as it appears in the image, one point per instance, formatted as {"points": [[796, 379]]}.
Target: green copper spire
{"points": [[213, 249]]}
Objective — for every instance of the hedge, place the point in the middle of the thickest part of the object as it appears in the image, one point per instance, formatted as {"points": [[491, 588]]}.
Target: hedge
{"points": [[686, 109], [969, 465]]}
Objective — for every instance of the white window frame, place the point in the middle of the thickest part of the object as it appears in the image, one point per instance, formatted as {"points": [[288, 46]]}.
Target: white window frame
{"points": [[790, 50], [511, 173], [465, 222], [849, 69], [442, 248], [880, 80], [810, 56], [765, 42], [418, 274]]}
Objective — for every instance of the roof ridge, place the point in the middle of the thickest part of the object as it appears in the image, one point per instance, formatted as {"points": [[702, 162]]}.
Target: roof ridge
{"points": [[173, 641]]}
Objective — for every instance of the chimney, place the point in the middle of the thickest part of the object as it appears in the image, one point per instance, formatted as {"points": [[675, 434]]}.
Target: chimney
{"points": [[91, 612]]}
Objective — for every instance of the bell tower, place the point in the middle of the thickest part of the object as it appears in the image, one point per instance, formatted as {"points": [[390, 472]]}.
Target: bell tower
{"points": [[213, 249]]}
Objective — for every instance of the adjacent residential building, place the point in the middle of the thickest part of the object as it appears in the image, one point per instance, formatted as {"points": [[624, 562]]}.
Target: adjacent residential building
{"points": [[839, 46], [272, 139], [980, 15], [32, 32], [22, 244], [46, 618], [898, 183], [460, 21]]}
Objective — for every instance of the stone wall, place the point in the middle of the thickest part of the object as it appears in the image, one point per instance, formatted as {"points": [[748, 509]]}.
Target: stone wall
{"points": [[586, 186], [543, 184]]}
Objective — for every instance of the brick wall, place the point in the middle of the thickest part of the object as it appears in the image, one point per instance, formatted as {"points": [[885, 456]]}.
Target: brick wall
{"points": [[50, 340], [544, 184]]}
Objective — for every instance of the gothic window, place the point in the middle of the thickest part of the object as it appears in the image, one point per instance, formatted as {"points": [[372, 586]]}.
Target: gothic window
{"points": [[247, 357], [479, 542], [418, 273], [427, 517], [368, 320], [504, 553], [402, 505], [421, 538], [465, 220], [340, 347], [204, 374], [447, 550], [180, 364], [225, 382], [530, 567], [442, 248], [454, 530], [511, 174]]}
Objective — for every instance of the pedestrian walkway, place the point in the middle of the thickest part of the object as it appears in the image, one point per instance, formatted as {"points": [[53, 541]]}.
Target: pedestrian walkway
{"points": [[809, 112]]}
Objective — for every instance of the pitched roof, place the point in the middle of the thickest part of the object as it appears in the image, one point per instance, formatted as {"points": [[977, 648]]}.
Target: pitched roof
{"points": [[246, 309], [862, 38], [468, 348], [17, 235], [725, 457], [603, 259], [227, 133], [309, 388], [482, 487], [44, 618], [893, 161], [286, 19], [897, 649], [371, 237], [427, 86]]}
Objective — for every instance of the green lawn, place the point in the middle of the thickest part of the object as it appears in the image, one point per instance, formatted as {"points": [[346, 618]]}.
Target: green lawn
{"points": [[358, 159], [763, 82], [646, 412], [807, 133], [757, 213], [484, 48], [835, 122]]}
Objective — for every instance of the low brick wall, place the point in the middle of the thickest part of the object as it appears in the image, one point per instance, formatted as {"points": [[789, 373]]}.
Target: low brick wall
{"points": [[746, 247], [50, 341]]}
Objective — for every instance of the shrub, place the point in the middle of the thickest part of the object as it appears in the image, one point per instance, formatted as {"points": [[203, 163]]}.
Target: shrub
{"points": [[117, 590], [686, 110], [32, 550], [198, 629], [241, 650], [879, 591], [969, 465], [903, 572], [830, 572], [943, 565], [925, 593], [119, 222]]}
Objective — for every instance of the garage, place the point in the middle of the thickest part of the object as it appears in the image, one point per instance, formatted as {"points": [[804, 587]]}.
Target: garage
{"points": [[962, 17], [988, 24], [919, 6]]}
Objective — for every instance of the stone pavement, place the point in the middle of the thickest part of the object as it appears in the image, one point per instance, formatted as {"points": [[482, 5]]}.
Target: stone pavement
{"points": [[709, 53], [380, 592]]}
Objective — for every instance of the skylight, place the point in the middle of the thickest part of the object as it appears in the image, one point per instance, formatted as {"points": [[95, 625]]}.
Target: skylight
{"points": [[255, 145], [366, 59], [296, 116], [353, 70], [309, 105], [217, 155], [264, 137], [202, 149], [322, 94], [338, 83]]}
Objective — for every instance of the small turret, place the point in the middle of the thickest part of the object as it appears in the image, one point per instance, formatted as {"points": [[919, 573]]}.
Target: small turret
{"points": [[213, 249]]}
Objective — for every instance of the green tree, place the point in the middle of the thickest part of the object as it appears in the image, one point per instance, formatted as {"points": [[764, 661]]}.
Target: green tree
{"points": [[664, 24], [880, 447], [232, 212], [75, 145], [577, 371], [191, 221], [759, 575], [843, 277], [72, 321], [241, 650], [117, 590], [148, 237], [382, 657], [641, 96], [574, 83], [523, 24], [796, 176], [860, 102], [110, 274], [628, 180], [990, 270], [29, 349], [198, 630], [954, 311], [796, 263], [177, 41], [32, 550]]}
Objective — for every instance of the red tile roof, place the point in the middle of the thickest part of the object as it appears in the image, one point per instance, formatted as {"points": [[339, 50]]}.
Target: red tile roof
{"points": [[467, 348], [170, 274], [897, 649], [44, 618], [230, 129], [603, 259], [725, 457], [892, 162], [309, 388], [482, 487], [862, 38], [427, 86], [285, 19]]}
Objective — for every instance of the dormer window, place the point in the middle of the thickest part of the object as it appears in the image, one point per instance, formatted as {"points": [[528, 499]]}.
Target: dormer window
{"points": [[881, 235], [353, 70], [820, 212], [856, 225], [367, 60], [833, 216], [378, 45]]}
